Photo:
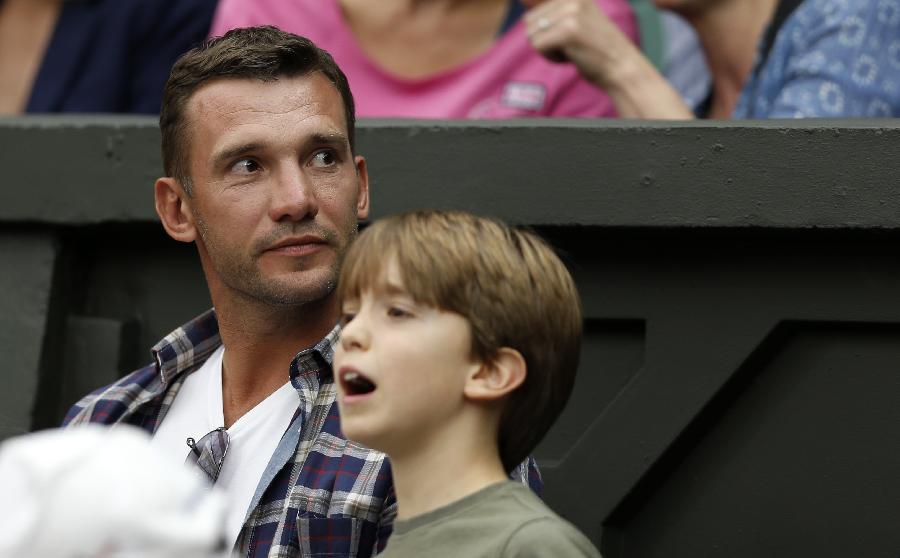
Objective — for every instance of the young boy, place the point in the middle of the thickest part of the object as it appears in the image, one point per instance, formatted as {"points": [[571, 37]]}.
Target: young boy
{"points": [[458, 352]]}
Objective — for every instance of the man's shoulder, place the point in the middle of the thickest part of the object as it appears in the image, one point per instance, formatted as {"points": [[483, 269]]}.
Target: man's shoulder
{"points": [[109, 404], [140, 392]]}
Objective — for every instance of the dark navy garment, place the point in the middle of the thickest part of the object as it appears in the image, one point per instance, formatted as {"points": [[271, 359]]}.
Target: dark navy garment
{"points": [[513, 15], [115, 55]]}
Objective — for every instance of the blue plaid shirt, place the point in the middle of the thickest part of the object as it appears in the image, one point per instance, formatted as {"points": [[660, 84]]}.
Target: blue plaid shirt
{"points": [[321, 494]]}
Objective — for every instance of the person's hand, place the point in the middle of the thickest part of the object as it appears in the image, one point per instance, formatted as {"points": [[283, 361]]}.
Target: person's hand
{"points": [[579, 32]]}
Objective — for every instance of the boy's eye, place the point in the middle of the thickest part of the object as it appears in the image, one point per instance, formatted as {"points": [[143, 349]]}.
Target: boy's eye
{"points": [[347, 317], [396, 312]]}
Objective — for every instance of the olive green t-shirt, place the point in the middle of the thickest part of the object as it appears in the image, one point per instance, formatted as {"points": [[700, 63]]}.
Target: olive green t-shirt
{"points": [[502, 520]]}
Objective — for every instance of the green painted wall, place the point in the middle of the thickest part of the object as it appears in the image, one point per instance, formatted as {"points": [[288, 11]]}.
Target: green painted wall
{"points": [[738, 394]]}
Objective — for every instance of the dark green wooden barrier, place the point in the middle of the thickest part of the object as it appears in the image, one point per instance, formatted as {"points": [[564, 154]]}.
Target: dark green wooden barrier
{"points": [[740, 388]]}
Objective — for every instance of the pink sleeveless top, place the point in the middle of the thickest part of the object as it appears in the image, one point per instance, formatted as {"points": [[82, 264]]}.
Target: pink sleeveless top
{"points": [[510, 80]]}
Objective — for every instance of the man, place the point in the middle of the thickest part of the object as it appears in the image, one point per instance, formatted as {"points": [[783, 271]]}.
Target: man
{"points": [[768, 58], [258, 148]]}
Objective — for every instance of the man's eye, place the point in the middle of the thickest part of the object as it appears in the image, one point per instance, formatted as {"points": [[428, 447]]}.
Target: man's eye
{"points": [[324, 159], [245, 166]]}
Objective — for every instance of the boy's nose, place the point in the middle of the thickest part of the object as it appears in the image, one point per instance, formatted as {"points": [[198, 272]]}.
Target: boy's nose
{"points": [[355, 335]]}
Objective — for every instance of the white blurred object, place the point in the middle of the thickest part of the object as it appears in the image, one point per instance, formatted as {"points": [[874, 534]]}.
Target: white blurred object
{"points": [[94, 491]]}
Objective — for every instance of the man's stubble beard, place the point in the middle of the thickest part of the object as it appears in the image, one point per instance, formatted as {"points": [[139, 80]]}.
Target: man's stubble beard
{"points": [[243, 276]]}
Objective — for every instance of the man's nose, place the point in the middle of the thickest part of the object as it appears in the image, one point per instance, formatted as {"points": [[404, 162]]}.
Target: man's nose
{"points": [[293, 195]]}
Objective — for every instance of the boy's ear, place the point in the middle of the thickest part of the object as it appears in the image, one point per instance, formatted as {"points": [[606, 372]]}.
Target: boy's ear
{"points": [[173, 208], [497, 377]]}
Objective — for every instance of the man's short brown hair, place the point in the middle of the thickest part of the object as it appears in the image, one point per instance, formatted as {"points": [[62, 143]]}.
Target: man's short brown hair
{"points": [[264, 53], [508, 283]]}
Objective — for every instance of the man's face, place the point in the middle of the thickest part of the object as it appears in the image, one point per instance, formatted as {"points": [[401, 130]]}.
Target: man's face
{"points": [[276, 190]]}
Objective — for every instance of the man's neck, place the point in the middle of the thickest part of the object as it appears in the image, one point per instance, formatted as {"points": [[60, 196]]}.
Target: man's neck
{"points": [[729, 32], [260, 341], [444, 469]]}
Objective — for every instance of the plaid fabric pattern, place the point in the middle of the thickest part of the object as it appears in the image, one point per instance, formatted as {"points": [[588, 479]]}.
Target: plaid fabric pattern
{"points": [[208, 453], [333, 497]]}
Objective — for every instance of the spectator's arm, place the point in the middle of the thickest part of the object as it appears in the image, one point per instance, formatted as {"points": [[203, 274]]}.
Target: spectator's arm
{"points": [[579, 32]]}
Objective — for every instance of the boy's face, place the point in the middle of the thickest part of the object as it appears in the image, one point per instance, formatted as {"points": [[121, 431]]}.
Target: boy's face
{"points": [[400, 369]]}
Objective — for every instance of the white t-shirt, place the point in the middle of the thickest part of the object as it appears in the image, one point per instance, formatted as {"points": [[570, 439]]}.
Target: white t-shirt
{"points": [[197, 410]]}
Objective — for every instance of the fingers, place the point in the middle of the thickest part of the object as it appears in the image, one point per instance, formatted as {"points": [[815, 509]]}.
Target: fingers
{"points": [[556, 15], [547, 11], [579, 15], [552, 27], [550, 39], [576, 31]]}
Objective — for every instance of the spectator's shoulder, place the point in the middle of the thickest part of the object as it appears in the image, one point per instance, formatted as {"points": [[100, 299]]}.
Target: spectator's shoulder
{"points": [[108, 404], [853, 19]]}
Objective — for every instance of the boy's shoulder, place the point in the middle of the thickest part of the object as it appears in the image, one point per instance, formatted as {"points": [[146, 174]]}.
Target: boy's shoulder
{"points": [[548, 536], [505, 519], [539, 531]]}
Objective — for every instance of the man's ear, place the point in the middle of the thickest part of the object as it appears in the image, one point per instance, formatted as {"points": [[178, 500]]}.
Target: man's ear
{"points": [[362, 197], [173, 208], [497, 377]]}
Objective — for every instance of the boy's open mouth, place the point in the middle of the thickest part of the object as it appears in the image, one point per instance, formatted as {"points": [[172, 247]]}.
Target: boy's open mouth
{"points": [[355, 383]]}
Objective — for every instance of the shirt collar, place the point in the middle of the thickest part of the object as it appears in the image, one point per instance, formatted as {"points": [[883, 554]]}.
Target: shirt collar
{"points": [[316, 360], [188, 347]]}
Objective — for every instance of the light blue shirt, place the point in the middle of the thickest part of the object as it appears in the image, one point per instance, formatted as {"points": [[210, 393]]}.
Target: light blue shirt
{"points": [[830, 59]]}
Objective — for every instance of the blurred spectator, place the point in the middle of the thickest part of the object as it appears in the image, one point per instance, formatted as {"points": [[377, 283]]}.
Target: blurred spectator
{"points": [[834, 58], [93, 55], [768, 58], [437, 58], [93, 491], [683, 64], [672, 46]]}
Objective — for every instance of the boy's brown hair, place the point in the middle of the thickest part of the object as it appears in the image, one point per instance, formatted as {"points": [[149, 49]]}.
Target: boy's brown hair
{"points": [[508, 283], [265, 53]]}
